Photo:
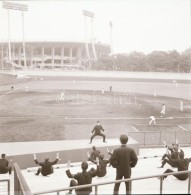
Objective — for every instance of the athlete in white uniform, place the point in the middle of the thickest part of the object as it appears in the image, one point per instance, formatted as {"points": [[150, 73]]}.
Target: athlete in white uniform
{"points": [[163, 111], [152, 120], [181, 105]]}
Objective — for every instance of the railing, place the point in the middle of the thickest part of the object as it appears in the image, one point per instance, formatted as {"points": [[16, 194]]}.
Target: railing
{"points": [[20, 185], [8, 184], [122, 180], [155, 138]]}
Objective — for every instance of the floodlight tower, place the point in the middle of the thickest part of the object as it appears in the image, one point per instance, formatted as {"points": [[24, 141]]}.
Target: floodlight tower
{"points": [[22, 8], [111, 35], [90, 15]]}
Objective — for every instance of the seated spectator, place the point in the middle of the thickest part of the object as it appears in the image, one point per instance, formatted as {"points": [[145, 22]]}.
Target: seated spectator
{"points": [[102, 166], [182, 164], [94, 155], [4, 165], [46, 166], [83, 178], [173, 152]]}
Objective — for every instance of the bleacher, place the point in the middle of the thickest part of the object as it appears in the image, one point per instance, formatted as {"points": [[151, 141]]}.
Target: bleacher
{"points": [[149, 161]]}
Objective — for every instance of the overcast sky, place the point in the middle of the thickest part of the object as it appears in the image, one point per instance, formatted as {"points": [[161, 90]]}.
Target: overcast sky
{"points": [[141, 25]]}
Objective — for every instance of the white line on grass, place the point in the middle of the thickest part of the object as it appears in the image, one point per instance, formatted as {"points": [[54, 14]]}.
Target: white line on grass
{"points": [[182, 128], [135, 129]]}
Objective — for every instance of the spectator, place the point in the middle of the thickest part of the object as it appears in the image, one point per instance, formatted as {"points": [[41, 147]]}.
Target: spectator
{"points": [[123, 159], [173, 152], [46, 166], [163, 111], [182, 165], [97, 132], [102, 166], [83, 178], [94, 155], [4, 165]]}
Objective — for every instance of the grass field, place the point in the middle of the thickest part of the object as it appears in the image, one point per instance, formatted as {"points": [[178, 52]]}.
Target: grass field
{"points": [[37, 115]]}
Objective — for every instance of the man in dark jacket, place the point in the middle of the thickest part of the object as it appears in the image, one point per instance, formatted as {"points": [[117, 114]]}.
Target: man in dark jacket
{"points": [[173, 152], [102, 166], [46, 166], [123, 159], [94, 155], [182, 165], [4, 165], [83, 178], [97, 132]]}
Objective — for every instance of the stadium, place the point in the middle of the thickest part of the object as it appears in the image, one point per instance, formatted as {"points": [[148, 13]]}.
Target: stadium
{"points": [[51, 54]]}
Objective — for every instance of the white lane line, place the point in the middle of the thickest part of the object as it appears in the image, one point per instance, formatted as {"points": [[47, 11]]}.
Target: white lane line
{"points": [[182, 128], [135, 129]]}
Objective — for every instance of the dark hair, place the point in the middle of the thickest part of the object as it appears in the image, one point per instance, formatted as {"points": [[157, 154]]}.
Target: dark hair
{"points": [[93, 147], [84, 166], [123, 139], [2, 155]]}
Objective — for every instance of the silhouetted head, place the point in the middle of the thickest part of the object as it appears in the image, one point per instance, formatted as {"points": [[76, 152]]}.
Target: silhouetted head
{"points": [[123, 139], [101, 156], [46, 159], [2, 155], [84, 166], [98, 122], [181, 155], [93, 147]]}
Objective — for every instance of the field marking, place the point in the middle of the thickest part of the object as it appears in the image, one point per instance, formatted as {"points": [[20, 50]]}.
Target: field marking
{"points": [[26, 84], [90, 118], [182, 128], [135, 129]]}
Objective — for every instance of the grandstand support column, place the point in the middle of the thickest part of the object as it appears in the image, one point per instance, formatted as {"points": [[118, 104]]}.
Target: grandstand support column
{"points": [[42, 56], [71, 54], [79, 55], [53, 51], [62, 56], [32, 56], [19, 55]]}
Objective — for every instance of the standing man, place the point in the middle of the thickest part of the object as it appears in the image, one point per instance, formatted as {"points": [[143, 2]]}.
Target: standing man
{"points": [[123, 159], [97, 132], [46, 166], [4, 165], [163, 111], [181, 105]]}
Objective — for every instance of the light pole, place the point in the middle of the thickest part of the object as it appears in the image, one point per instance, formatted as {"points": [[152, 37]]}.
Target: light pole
{"points": [[90, 15], [19, 7], [111, 35]]}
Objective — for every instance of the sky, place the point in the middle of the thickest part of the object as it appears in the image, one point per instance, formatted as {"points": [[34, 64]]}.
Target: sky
{"points": [[137, 25]]}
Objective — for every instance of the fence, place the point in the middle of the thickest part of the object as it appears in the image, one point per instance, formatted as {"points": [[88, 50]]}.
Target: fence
{"points": [[6, 189], [22, 188], [156, 138], [20, 185]]}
